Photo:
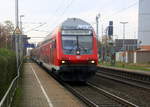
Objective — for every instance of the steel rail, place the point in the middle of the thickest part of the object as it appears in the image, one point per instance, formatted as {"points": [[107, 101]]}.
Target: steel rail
{"points": [[8, 97], [77, 94], [134, 75], [124, 80], [121, 101], [81, 97], [73, 91], [88, 101], [126, 77]]}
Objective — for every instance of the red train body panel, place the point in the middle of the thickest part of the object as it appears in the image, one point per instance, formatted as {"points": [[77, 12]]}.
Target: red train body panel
{"points": [[70, 52]]}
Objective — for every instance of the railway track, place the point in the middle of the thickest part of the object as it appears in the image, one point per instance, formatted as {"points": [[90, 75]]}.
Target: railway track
{"points": [[126, 78], [120, 100], [131, 93], [97, 97], [93, 96], [132, 78]]}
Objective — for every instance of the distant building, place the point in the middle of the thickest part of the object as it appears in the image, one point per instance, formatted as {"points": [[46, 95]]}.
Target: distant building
{"points": [[136, 56], [144, 22], [145, 48], [139, 56], [129, 44]]}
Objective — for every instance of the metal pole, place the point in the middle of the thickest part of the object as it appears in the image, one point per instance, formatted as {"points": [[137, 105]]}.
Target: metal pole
{"points": [[102, 47], [0, 34], [16, 35], [123, 39], [97, 24], [6, 41], [21, 38], [17, 58], [21, 16], [20, 24], [17, 13]]}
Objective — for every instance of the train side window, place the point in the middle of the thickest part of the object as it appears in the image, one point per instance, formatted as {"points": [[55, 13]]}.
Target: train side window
{"points": [[50, 43], [54, 43]]}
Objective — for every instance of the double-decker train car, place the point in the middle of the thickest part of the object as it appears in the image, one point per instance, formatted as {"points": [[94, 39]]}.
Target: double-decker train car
{"points": [[70, 51]]}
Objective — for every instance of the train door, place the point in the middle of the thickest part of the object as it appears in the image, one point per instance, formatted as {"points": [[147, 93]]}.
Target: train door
{"points": [[52, 51]]}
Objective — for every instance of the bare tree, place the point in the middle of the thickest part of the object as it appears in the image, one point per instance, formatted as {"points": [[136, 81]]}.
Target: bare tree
{"points": [[6, 30]]}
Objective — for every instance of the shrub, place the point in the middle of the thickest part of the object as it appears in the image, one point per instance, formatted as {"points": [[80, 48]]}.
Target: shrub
{"points": [[7, 69]]}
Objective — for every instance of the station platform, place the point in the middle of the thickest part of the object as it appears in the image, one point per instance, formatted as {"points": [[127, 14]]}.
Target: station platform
{"points": [[127, 70], [39, 89]]}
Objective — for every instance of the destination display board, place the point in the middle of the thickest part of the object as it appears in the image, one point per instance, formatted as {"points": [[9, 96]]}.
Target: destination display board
{"points": [[76, 32]]}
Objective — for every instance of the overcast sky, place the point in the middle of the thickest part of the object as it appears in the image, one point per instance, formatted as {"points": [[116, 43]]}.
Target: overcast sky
{"points": [[51, 13]]}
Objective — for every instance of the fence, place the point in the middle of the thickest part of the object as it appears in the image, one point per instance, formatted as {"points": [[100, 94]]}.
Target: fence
{"points": [[8, 97]]}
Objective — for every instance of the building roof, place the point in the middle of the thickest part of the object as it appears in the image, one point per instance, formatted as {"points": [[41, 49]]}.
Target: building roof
{"points": [[144, 48]]}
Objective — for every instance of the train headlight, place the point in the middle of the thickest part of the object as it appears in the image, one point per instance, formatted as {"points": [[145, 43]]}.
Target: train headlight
{"points": [[63, 62], [92, 62], [78, 52]]}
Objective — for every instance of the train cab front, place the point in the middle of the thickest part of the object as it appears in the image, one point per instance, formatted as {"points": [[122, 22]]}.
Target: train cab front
{"points": [[79, 55]]}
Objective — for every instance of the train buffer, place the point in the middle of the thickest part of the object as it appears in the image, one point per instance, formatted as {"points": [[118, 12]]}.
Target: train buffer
{"points": [[39, 89]]}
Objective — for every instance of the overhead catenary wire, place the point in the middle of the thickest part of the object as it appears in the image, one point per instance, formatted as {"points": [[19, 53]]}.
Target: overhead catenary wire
{"points": [[32, 23], [126, 8], [57, 9], [35, 27], [62, 13], [116, 12], [36, 24], [122, 10], [66, 8], [71, 2], [41, 25]]}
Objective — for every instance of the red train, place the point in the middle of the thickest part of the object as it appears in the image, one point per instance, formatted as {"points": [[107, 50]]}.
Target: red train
{"points": [[70, 51]]}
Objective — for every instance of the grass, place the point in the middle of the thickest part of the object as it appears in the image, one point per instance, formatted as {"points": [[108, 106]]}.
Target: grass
{"points": [[3, 89], [143, 67], [17, 98], [19, 92]]}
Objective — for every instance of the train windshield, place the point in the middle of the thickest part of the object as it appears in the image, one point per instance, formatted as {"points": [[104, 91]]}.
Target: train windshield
{"points": [[73, 44]]}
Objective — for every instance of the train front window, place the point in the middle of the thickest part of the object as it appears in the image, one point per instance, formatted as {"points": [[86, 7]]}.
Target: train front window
{"points": [[69, 44], [72, 44], [85, 44]]}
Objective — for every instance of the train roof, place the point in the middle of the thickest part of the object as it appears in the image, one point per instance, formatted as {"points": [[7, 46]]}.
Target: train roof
{"points": [[75, 23], [69, 24]]}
